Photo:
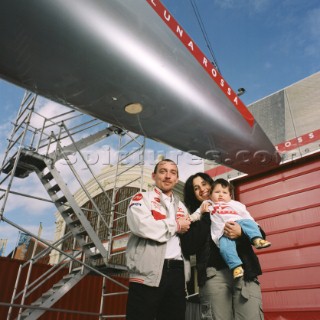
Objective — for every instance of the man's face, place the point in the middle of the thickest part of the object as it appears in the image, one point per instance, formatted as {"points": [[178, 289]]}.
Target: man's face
{"points": [[166, 176]]}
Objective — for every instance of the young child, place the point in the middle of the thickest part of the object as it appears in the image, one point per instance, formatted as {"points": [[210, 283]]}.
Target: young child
{"points": [[223, 209]]}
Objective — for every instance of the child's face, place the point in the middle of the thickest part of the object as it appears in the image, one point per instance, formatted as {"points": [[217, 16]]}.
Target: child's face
{"points": [[220, 194]]}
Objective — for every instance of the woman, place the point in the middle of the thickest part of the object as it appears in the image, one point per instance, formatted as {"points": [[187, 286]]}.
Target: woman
{"points": [[221, 297]]}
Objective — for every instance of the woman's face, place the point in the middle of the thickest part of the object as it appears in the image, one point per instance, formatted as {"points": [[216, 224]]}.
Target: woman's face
{"points": [[201, 189]]}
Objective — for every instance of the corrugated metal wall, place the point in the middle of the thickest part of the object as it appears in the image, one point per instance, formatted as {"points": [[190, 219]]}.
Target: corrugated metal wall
{"points": [[83, 298], [83, 301], [286, 203]]}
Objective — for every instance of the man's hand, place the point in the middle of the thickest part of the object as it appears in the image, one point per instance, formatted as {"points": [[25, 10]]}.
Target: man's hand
{"points": [[232, 230], [184, 224]]}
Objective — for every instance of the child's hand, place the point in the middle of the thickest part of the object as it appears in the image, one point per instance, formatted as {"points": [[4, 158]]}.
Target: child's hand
{"points": [[204, 207]]}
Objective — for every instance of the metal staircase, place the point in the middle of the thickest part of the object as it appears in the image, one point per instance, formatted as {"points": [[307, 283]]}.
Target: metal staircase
{"points": [[49, 298], [61, 196], [38, 151]]}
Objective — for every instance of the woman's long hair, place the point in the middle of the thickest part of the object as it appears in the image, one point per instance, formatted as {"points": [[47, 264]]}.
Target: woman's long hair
{"points": [[190, 200]]}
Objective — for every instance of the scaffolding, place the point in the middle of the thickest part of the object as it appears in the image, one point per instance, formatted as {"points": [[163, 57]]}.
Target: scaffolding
{"points": [[94, 231]]}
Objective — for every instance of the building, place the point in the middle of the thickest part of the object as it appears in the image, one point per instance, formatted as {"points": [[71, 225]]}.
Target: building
{"points": [[290, 118], [95, 214]]}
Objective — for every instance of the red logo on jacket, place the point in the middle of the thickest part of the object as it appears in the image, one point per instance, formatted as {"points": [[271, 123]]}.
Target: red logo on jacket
{"points": [[158, 215], [137, 197]]}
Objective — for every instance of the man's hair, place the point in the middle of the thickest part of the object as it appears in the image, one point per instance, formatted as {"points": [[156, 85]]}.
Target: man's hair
{"points": [[164, 160], [225, 184]]}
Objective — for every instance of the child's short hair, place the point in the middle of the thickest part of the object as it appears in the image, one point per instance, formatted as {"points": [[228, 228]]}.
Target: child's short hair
{"points": [[224, 183]]}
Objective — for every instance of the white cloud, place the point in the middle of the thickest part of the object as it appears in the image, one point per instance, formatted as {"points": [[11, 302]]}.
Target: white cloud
{"points": [[188, 165], [11, 234], [27, 186]]}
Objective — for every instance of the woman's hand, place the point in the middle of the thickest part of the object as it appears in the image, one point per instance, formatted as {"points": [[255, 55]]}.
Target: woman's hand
{"points": [[232, 230]]}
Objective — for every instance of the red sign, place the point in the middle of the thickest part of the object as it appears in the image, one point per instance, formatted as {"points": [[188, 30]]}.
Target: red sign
{"points": [[299, 141]]}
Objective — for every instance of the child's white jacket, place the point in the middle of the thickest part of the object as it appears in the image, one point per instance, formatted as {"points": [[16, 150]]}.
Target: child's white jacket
{"points": [[222, 212]]}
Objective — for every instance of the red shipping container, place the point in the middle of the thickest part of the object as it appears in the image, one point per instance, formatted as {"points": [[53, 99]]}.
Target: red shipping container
{"points": [[286, 203]]}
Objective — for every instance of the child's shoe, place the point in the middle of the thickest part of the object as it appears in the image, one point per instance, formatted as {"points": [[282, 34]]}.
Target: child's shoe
{"points": [[237, 272], [261, 243]]}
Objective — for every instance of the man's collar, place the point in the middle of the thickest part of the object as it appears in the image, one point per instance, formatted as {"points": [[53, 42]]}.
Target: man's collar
{"points": [[159, 192]]}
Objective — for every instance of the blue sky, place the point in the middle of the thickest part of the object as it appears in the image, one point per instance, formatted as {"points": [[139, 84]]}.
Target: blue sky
{"points": [[261, 45]]}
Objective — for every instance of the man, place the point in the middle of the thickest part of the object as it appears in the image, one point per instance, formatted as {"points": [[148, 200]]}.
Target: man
{"points": [[154, 257]]}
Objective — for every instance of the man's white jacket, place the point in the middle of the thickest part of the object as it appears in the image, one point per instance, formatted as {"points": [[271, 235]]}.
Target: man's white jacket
{"points": [[147, 217]]}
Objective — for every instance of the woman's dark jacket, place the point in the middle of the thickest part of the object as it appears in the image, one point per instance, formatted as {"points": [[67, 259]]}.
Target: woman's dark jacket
{"points": [[198, 241]]}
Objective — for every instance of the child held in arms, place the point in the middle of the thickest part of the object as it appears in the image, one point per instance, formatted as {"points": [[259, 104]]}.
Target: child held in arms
{"points": [[223, 209]]}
